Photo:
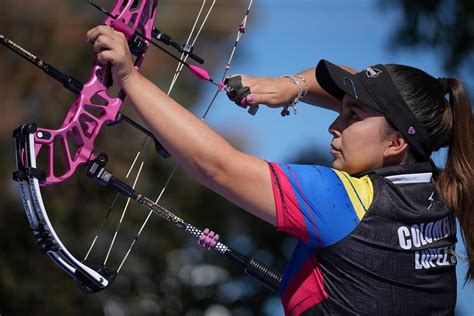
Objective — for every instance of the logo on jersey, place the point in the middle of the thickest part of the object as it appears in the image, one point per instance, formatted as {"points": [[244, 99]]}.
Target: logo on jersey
{"points": [[431, 199], [372, 72]]}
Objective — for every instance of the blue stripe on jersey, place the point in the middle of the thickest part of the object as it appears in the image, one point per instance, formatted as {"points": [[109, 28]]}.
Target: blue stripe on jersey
{"points": [[326, 207], [300, 255]]}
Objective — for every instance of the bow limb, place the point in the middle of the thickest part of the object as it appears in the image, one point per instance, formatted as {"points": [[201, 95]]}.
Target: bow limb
{"points": [[88, 279]]}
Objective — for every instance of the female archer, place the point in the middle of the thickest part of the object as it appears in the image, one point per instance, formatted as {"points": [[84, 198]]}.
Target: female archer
{"points": [[376, 230]]}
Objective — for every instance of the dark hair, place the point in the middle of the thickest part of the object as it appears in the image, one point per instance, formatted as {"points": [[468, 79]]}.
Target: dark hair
{"points": [[449, 123]]}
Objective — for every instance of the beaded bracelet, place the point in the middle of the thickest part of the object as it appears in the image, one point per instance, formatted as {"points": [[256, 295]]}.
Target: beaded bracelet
{"points": [[302, 90]]}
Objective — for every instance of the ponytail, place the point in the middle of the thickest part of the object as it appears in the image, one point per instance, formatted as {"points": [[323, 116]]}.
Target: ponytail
{"points": [[449, 123], [456, 180]]}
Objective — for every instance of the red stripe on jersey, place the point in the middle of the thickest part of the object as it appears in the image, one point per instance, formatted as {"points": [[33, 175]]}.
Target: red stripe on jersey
{"points": [[289, 216], [305, 289]]}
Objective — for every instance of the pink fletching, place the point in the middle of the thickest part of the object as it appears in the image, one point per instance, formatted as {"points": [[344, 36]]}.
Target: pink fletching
{"points": [[199, 72], [208, 239]]}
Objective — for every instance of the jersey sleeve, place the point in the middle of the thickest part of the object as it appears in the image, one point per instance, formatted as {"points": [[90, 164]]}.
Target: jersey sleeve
{"points": [[316, 204]]}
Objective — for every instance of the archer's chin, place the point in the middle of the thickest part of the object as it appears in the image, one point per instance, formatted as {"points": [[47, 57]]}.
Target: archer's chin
{"points": [[338, 163]]}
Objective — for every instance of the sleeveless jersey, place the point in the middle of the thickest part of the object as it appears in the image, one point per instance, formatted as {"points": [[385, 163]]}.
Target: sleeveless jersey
{"points": [[379, 244]]}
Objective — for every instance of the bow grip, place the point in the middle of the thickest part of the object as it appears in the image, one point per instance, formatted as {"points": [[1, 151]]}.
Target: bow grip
{"points": [[122, 27]]}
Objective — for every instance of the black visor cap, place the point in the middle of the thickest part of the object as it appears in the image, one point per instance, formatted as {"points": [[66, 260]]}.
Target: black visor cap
{"points": [[374, 87]]}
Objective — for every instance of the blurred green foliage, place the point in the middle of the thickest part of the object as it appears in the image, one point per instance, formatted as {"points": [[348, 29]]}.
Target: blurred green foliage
{"points": [[446, 26]]}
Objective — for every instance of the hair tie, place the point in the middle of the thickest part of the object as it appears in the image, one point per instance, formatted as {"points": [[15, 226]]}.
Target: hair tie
{"points": [[444, 83]]}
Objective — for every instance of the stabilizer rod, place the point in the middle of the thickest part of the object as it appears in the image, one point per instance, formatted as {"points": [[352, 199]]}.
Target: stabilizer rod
{"points": [[251, 266]]}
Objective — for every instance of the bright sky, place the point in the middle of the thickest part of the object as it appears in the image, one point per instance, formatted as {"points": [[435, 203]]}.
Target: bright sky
{"points": [[286, 36]]}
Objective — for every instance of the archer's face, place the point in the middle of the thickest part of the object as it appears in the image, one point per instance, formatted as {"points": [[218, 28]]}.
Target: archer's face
{"points": [[359, 137]]}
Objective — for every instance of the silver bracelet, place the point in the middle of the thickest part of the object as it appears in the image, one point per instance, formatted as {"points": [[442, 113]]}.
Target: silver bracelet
{"points": [[302, 86]]}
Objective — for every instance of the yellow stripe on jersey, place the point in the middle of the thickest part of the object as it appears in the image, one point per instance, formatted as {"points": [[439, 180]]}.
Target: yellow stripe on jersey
{"points": [[359, 190]]}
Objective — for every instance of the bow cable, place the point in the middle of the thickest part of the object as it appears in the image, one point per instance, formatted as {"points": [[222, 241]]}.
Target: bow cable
{"points": [[183, 55], [241, 31]]}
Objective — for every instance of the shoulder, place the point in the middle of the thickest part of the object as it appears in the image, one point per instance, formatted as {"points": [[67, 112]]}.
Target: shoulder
{"points": [[317, 180], [317, 204]]}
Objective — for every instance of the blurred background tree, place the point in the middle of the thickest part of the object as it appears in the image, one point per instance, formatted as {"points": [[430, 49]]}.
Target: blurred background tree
{"points": [[444, 25], [166, 273]]}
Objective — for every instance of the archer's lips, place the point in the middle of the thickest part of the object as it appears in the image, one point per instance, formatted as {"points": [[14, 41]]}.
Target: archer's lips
{"points": [[334, 150]]}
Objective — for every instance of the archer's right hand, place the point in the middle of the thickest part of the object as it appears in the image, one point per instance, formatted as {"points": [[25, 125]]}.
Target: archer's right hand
{"points": [[249, 91]]}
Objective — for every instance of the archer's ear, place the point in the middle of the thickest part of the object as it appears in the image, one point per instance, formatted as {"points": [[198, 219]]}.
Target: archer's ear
{"points": [[397, 149]]}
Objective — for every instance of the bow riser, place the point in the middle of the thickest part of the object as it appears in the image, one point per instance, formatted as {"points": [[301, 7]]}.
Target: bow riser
{"points": [[81, 126], [94, 107]]}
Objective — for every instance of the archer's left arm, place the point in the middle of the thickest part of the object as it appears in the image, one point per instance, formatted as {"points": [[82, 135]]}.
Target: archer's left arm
{"points": [[241, 178]]}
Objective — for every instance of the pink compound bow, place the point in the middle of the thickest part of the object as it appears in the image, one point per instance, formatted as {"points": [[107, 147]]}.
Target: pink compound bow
{"points": [[93, 109]]}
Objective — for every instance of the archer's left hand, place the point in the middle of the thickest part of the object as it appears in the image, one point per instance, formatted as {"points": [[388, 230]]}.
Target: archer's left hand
{"points": [[111, 47]]}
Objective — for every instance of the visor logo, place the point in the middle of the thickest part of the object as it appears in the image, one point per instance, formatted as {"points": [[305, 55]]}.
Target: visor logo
{"points": [[372, 72]]}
